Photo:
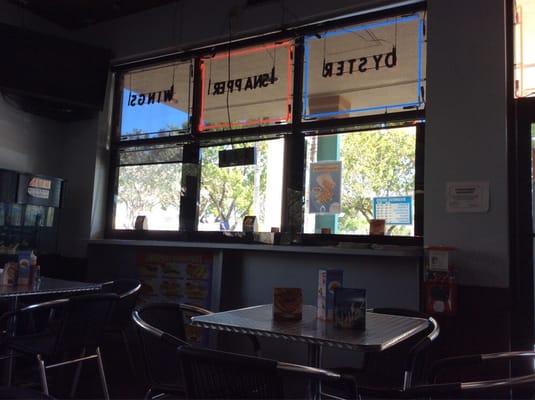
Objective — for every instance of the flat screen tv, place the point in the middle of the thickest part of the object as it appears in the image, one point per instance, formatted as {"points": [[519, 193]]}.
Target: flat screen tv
{"points": [[42, 69]]}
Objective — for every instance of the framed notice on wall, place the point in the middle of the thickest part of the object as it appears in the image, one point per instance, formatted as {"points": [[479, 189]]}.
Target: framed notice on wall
{"points": [[467, 197]]}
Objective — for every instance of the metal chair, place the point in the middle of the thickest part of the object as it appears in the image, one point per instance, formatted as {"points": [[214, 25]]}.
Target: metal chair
{"points": [[162, 329], [75, 326], [490, 388], [474, 362], [399, 367], [212, 374], [121, 317]]}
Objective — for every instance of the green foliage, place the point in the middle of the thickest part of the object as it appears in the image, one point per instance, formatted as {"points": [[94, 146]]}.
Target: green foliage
{"points": [[376, 163], [144, 187], [228, 194]]}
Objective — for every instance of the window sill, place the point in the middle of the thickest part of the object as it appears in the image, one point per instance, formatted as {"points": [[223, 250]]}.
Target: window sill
{"points": [[304, 243], [375, 250]]}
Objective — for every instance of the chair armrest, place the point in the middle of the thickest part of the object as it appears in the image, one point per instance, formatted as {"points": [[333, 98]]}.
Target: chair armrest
{"points": [[194, 309], [155, 331], [32, 307], [318, 373], [498, 383], [473, 359], [421, 346]]}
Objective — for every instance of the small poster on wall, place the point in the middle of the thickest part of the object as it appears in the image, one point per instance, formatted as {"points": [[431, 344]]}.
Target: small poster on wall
{"points": [[325, 192], [177, 278]]}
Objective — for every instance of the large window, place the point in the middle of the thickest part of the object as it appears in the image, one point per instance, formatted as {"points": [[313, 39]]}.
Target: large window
{"points": [[354, 177], [228, 194], [524, 48], [318, 131]]}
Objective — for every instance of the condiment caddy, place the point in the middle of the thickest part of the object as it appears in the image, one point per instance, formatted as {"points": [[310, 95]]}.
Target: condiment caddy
{"points": [[23, 272]]}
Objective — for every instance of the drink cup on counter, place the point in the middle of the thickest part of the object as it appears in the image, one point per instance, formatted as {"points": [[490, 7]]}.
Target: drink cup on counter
{"points": [[287, 304], [377, 226]]}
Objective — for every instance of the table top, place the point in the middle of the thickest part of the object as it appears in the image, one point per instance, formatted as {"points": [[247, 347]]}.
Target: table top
{"points": [[48, 286], [382, 330]]}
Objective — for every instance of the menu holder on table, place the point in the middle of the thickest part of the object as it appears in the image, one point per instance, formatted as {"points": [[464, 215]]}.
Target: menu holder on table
{"points": [[287, 304], [350, 308]]}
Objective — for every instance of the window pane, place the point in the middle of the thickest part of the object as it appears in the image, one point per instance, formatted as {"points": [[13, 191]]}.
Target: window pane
{"points": [[524, 48], [376, 167], [364, 69], [150, 190], [228, 194], [156, 101], [252, 87]]}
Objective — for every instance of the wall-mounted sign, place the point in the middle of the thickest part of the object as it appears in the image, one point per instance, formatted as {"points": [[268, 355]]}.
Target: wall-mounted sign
{"points": [[394, 210], [237, 157], [247, 87], [39, 188], [462, 197], [325, 182], [374, 67]]}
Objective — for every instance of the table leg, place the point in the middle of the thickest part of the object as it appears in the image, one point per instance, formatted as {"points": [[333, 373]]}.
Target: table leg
{"points": [[314, 360]]}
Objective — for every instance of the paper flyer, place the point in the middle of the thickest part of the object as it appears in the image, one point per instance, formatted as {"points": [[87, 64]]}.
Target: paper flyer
{"points": [[325, 182]]}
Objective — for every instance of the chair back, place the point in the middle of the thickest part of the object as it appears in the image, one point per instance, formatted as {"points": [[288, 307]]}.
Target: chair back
{"points": [[128, 292], [83, 321], [161, 329], [404, 364], [211, 374]]}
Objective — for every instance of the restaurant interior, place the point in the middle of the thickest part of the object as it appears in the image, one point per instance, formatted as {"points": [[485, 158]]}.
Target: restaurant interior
{"points": [[267, 199]]}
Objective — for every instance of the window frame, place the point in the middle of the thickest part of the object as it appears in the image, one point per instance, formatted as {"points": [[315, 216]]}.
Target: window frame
{"points": [[294, 133]]}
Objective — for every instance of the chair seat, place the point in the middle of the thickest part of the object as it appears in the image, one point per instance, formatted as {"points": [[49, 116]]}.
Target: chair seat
{"points": [[42, 343]]}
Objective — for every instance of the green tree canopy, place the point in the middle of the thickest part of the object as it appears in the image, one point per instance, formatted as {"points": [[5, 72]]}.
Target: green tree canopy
{"points": [[375, 164]]}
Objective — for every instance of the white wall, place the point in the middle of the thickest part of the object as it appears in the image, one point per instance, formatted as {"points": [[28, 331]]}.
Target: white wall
{"points": [[28, 143], [466, 133]]}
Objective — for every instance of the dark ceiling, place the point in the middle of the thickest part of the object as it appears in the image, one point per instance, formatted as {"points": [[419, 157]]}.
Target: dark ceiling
{"points": [[75, 14]]}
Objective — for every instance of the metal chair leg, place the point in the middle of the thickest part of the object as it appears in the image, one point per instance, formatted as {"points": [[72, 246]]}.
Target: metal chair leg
{"points": [[102, 375], [42, 373], [148, 395], [77, 373], [128, 352], [10, 367]]}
